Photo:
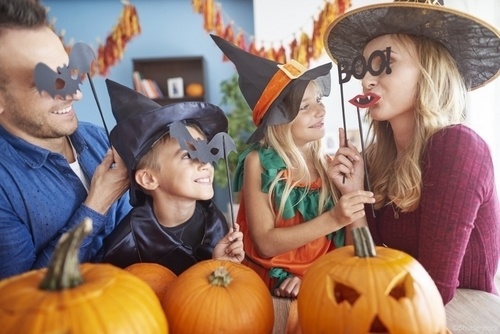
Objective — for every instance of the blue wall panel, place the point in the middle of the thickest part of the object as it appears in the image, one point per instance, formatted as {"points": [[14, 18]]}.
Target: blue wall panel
{"points": [[170, 28]]}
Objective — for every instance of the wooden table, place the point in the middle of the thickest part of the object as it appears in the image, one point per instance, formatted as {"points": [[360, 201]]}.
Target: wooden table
{"points": [[469, 312], [473, 311]]}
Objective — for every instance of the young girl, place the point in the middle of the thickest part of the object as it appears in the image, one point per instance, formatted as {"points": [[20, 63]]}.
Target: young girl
{"points": [[432, 176], [289, 210]]}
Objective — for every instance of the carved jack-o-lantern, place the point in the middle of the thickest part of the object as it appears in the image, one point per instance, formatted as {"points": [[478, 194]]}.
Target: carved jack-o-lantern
{"points": [[367, 289]]}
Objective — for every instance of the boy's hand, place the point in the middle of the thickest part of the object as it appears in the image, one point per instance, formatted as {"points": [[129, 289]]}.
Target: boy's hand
{"points": [[230, 247]]}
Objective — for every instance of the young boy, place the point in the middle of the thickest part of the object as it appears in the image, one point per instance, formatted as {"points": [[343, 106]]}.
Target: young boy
{"points": [[169, 153]]}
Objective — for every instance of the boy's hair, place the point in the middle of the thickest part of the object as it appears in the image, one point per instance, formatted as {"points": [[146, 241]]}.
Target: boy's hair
{"points": [[20, 14], [279, 137], [150, 160], [440, 100]]}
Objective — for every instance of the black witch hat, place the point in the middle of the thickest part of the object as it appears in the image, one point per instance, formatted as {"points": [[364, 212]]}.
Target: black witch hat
{"points": [[264, 83], [141, 122], [473, 43]]}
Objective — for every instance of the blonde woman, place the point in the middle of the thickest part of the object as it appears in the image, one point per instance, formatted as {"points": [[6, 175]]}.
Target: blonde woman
{"points": [[432, 176]]}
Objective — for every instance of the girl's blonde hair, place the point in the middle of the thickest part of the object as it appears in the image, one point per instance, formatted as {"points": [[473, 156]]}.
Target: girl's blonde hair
{"points": [[440, 101], [279, 137]]}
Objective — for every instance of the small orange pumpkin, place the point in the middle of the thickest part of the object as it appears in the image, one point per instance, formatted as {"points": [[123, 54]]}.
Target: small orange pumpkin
{"points": [[216, 296], [368, 289], [158, 277], [194, 90], [68, 297]]}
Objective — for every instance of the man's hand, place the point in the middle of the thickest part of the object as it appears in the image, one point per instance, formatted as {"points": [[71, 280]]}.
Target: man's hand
{"points": [[109, 183]]}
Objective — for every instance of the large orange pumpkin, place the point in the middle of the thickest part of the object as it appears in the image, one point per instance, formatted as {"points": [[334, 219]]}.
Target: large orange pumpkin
{"points": [[367, 289], [80, 299], [158, 277], [215, 296]]}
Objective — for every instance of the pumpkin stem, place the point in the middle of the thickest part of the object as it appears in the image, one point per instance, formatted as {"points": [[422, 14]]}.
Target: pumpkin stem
{"points": [[363, 242], [220, 277], [64, 268]]}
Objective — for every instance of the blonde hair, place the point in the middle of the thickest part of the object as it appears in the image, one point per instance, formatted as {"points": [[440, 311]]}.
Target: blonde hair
{"points": [[151, 159], [279, 137], [439, 102]]}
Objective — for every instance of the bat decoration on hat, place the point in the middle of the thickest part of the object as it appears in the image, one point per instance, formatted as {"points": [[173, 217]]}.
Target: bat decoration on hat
{"points": [[67, 79], [207, 152]]}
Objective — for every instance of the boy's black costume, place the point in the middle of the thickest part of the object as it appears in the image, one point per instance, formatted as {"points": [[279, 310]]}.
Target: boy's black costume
{"points": [[139, 237]]}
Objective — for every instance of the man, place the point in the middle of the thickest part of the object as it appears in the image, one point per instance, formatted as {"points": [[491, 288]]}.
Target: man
{"points": [[54, 171]]}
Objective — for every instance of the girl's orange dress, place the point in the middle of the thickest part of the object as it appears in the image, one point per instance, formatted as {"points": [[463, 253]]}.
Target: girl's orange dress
{"points": [[299, 209]]}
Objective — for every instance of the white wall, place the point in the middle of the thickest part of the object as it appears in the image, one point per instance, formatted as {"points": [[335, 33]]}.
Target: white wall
{"points": [[278, 20]]}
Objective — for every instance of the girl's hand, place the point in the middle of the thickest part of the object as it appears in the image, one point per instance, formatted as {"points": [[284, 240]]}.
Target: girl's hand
{"points": [[351, 207], [230, 247], [289, 288]]}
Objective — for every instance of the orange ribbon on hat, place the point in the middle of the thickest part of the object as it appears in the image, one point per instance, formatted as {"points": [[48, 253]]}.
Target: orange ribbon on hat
{"points": [[286, 73]]}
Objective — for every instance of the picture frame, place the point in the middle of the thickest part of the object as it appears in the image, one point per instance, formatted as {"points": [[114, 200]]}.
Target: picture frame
{"points": [[175, 88]]}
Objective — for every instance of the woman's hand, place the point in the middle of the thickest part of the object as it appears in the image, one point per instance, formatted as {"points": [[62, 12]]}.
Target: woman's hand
{"points": [[346, 168]]}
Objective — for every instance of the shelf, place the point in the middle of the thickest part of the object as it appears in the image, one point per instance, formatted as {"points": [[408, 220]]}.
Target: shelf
{"points": [[190, 69]]}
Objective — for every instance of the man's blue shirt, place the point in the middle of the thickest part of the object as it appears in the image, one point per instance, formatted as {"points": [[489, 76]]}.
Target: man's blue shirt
{"points": [[41, 198]]}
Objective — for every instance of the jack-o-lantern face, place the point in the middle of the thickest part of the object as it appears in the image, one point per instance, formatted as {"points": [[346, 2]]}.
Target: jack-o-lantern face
{"points": [[387, 293]]}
